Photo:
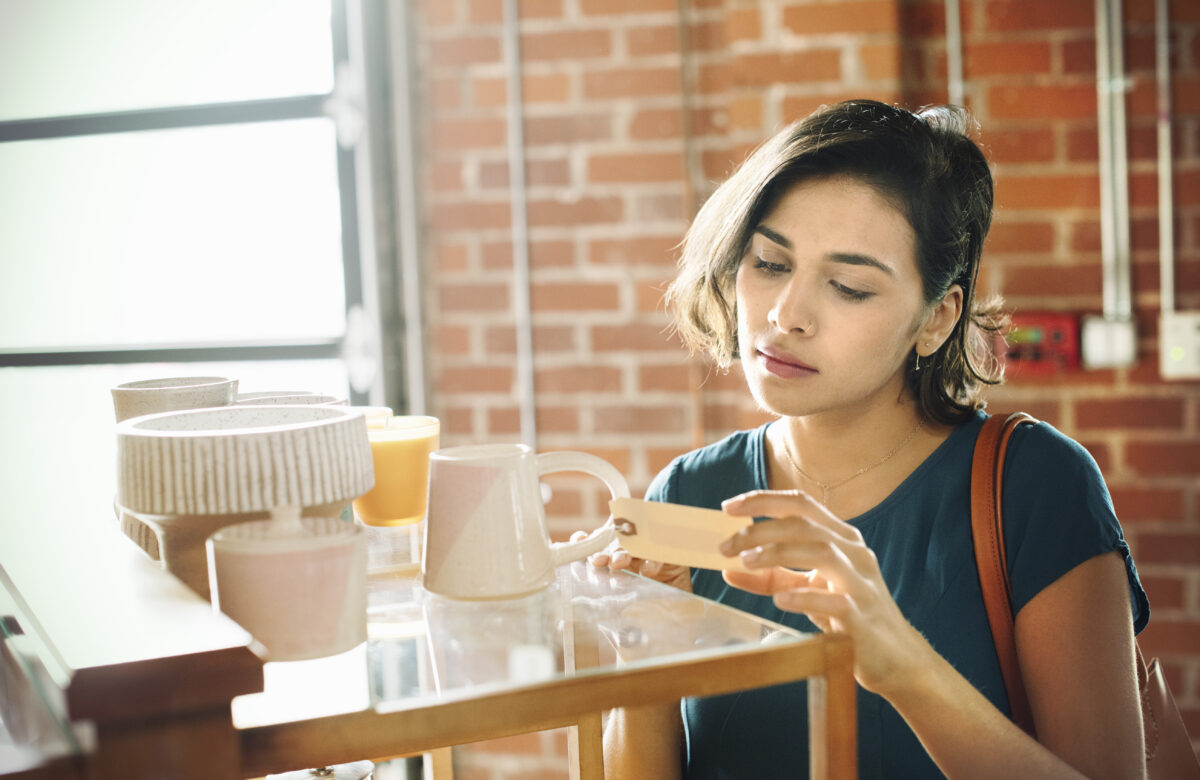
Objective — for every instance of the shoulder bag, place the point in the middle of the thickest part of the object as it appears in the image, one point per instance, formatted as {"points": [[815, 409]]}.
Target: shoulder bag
{"points": [[1169, 753]]}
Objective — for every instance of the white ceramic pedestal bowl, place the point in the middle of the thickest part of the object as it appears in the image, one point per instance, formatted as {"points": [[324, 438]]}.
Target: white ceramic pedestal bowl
{"points": [[190, 473]]}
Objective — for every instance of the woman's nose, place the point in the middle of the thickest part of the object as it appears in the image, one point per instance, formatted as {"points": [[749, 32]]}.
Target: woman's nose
{"points": [[791, 312]]}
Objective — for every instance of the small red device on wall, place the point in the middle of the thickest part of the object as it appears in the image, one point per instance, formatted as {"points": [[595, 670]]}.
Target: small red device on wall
{"points": [[1042, 343]]}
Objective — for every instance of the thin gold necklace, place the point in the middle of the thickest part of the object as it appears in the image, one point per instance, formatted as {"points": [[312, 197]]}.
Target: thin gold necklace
{"points": [[828, 486]]}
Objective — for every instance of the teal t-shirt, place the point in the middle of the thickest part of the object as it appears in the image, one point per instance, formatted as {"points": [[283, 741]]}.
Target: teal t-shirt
{"points": [[1057, 514]]}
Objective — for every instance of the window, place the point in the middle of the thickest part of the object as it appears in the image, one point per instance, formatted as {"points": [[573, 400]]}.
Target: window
{"points": [[178, 198]]}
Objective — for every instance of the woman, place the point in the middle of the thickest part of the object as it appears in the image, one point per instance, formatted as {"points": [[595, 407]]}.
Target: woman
{"points": [[839, 265]]}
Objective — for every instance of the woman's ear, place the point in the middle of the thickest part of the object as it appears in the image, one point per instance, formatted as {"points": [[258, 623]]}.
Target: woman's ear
{"points": [[942, 318]]}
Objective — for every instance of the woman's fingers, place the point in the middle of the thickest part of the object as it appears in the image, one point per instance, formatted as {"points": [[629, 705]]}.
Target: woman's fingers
{"points": [[766, 582], [788, 503]]}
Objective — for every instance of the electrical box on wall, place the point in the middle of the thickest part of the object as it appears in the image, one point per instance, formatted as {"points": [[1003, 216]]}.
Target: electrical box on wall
{"points": [[1042, 343], [1108, 341], [1179, 345]]}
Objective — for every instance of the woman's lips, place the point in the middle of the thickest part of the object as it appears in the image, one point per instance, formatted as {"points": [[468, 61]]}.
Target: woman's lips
{"points": [[784, 365]]}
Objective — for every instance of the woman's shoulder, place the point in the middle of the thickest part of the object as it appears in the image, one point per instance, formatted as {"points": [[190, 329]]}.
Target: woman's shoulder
{"points": [[1041, 451], [710, 474]]}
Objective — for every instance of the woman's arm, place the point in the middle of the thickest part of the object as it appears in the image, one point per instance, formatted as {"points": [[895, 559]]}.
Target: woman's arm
{"points": [[641, 742], [1074, 642], [1075, 645]]}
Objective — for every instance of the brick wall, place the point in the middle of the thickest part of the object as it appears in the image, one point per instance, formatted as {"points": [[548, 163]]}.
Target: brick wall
{"points": [[633, 109]]}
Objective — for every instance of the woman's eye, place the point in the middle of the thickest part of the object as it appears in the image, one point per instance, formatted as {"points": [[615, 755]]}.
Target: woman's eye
{"points": [[770, 268], [850, 293]]}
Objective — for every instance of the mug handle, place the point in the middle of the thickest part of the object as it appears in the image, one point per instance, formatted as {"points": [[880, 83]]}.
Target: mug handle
{"points": [[551, 462]]}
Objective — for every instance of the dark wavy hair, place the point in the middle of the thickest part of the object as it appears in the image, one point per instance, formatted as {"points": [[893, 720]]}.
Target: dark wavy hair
{"points": [[925, 164]]}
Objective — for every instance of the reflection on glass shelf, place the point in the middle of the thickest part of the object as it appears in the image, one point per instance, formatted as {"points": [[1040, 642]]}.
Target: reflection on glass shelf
{"points": [[132, 54], [422, 648]]}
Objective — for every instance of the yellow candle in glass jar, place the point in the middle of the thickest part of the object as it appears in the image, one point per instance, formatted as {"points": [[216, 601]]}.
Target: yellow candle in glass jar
{"points": [[400, 448]]}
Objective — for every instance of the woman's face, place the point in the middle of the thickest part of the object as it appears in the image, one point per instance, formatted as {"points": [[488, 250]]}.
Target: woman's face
{"points": [[829, 300]]}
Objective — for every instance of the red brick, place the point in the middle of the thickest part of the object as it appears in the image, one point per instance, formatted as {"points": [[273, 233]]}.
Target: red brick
{"points": [[743, 24], [675, 378], [635, 167], [554, 172], [455, 421], [553, 419], [1051, 280], [1131, 413], [1007, 58], [578, 296], [860, 17], [789, 67], [646, 250], [1046, 411], [926, 19], [1079, 56], [639, 337], [473, 297], [1164, 592], [540, 9], [446, 176], [465, 50], [1020, 146], [650, 41], [649, 294], [1163, 458], [1020, 238], [566, 45], [880, 61], [1049, 191], [447, 93], [639, 419], [567, 129], [707, 36], [606, 84], [1054, 101], [1167, 635], [542, 254], [476, 379], [1167, 547], [452, 339], [469, 216], [491, 92], [578, 379], [453, 134], [745, 112], [1085, 236], [658, 458], [546, 338], [452, 257], [576, 212], [438, 13], [1140, 504], [1039, 15], [625, 7]]}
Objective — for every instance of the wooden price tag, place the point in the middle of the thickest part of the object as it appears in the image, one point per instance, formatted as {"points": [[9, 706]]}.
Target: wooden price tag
{"points": [[677, 534]]}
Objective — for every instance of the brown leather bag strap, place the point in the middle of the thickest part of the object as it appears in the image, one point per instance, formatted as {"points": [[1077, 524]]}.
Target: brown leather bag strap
{"points": [[987, 531]]}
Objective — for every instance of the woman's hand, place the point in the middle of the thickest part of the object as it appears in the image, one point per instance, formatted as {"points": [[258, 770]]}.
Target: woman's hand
{"points": [[813, 563], [619, 559]]}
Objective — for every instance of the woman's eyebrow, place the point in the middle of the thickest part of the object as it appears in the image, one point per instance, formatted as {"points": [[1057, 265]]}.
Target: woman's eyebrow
{"points": [[853, 258], [771, 235]]}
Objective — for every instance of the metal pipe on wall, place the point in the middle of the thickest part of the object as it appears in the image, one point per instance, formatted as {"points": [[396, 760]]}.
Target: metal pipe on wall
{"points": [[1166, 203], [1110, 340], [954, 54], [1114, 176], [522, 304]]}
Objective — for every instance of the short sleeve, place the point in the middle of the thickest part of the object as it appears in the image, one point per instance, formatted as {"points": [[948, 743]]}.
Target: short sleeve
{"points": [[1057, 514]]}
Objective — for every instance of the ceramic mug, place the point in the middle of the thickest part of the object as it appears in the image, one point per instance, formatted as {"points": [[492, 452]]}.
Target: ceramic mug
{"points": [[169, 394], [485, 533], [300, 592]]}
